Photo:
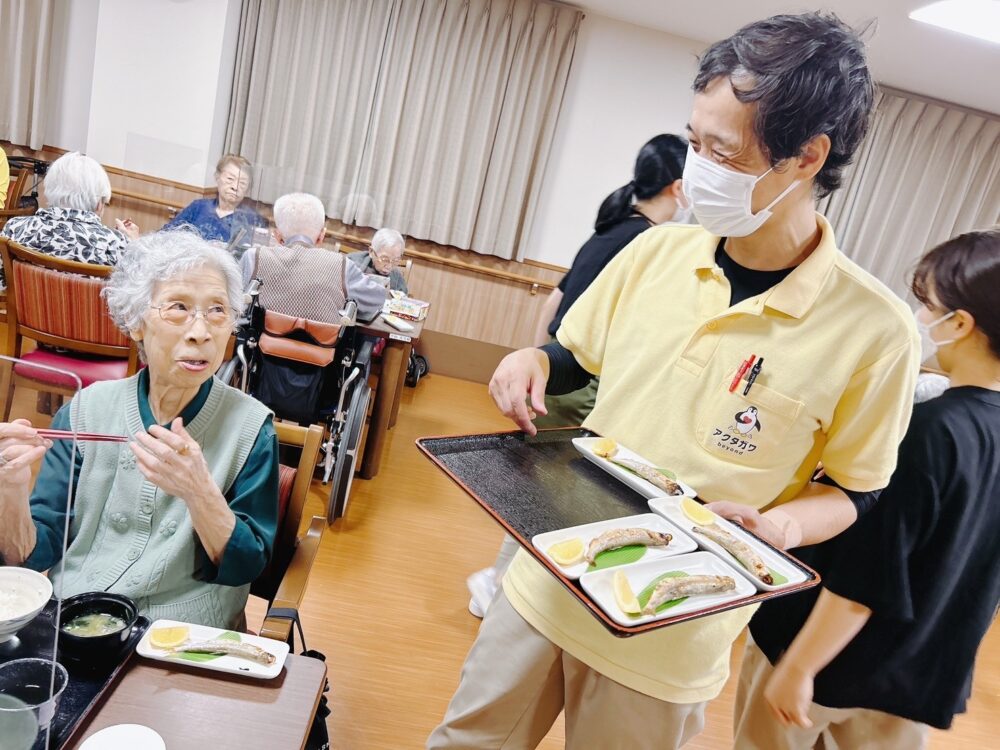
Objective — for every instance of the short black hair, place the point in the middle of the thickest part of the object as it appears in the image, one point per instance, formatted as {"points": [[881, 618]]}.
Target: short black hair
{"points": [[807, 75], [964, 274]]}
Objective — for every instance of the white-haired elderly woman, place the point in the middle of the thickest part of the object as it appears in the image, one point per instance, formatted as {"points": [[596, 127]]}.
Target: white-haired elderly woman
{"points": [[77, 189], [182, 518], [382, 257]]}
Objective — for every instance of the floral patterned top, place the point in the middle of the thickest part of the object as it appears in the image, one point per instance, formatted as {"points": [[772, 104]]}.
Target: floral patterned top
{"points": [[67, 233]]}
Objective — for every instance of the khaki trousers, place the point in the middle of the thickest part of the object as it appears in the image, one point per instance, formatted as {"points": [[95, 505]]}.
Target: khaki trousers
{"points": [[832, 729], [515, 682]]}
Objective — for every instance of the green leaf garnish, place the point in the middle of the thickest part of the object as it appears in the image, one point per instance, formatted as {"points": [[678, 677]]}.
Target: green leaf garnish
{"points": [[620, 556]]}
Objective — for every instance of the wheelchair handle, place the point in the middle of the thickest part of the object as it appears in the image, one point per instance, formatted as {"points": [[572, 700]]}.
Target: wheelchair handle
{"points": [[349, 315]]}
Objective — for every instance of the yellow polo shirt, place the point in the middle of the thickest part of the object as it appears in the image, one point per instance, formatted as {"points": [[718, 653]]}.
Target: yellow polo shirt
{"points": [[841, 355]]}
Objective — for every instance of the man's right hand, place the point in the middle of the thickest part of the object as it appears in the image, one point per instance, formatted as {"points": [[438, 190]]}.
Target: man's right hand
{"points": [[519, 376]]}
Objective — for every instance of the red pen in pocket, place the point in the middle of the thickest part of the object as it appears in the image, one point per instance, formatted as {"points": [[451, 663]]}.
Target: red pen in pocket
{"points": [[746, 365]]}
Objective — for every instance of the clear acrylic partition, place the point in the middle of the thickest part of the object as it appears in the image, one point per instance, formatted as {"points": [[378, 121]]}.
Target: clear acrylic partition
{"points": [[30, 691]]}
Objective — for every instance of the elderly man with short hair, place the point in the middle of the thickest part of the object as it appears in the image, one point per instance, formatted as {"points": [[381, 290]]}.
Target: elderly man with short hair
{"points": [[77, 190], [302, 278], [382, 258]]}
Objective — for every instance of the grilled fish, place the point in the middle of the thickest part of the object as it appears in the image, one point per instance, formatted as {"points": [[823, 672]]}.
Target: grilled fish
{"points": [[615, 538], [674, 588], [229, 648], [651, 474], [738, 549]]}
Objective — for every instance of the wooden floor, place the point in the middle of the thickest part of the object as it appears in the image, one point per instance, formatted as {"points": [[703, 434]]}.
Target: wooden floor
{"points": [[387, 602]]}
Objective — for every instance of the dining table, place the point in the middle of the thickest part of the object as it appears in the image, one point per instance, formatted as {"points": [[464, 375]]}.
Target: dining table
{"points": [[388, 391], [195, 708]]}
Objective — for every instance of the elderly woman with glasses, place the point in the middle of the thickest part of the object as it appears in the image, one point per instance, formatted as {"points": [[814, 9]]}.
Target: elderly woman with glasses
{"points": [[182, 518], [382, 258]]}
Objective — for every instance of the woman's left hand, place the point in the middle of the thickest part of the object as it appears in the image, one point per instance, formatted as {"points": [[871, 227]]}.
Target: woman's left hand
{"points": [[173, 461], [789, 693], [750, 519]]}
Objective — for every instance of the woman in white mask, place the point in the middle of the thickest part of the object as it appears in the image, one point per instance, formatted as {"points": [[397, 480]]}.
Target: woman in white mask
{"points": [[893, 635], [653, 196]]}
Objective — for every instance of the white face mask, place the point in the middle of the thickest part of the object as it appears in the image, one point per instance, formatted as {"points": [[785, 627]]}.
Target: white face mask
{"points": [[928, 346], [720, 197], [682, 215]]}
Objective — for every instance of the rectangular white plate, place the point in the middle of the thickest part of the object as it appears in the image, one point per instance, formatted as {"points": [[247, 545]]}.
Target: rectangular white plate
{"points": [[669, 508], [680, 543], [637, 483], [599, 587], [231, 664]]}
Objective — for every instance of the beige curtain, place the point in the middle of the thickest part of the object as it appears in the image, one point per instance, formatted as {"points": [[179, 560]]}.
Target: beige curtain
{"points": [[25, 39], [434, 117], [925, 173]]}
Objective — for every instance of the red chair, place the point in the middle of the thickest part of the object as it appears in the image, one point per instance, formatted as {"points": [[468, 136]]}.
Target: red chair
{"points": [[58, 303]]}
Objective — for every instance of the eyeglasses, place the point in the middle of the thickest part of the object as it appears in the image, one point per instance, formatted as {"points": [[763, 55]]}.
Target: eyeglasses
{"points": [[179, 314], [384, 258]]}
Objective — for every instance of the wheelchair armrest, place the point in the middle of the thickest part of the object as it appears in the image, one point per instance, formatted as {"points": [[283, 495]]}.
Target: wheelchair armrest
{"points": [[349, 315], [292, 588]]}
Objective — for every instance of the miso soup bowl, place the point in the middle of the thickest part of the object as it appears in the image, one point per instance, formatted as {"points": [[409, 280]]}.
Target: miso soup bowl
{"points": [[89, 648]]}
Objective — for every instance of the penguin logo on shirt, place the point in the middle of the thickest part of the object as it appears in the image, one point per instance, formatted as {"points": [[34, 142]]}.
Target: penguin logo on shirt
{"points": [[747, 420]]}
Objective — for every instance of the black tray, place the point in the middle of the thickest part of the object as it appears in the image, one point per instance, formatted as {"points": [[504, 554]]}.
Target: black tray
{"points": [[87, 681], [534, 484]]}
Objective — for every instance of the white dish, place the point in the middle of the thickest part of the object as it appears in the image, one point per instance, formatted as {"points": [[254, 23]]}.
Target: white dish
{"points": [[23, 594], [599, 587], [230, 664], [680, 543], [669, 508], [124, 737], [637, 483]]}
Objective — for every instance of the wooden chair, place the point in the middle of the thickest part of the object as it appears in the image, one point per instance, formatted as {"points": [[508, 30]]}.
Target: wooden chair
{"points": [[283, 583], [15, 190], [58, 302], [407, 267]]}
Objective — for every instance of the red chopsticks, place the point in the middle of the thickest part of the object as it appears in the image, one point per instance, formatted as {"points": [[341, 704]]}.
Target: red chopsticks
{"points": [[95, 437]]}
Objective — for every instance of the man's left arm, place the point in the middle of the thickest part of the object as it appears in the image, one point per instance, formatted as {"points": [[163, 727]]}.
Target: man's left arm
{"points": [[368, 294]]}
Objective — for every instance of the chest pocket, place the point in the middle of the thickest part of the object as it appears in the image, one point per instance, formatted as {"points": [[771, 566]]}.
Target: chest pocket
{"points": [[747, 430]]}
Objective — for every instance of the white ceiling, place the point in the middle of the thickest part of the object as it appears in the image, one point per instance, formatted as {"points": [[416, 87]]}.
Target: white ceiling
{"points": [[903, 53]]}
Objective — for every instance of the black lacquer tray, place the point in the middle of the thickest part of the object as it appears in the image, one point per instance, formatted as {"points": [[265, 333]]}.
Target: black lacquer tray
{"points": [[88, 681], [534, 484]]}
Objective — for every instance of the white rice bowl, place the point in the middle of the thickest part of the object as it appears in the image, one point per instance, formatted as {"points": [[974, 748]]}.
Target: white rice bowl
{"points": [[23, 594]]}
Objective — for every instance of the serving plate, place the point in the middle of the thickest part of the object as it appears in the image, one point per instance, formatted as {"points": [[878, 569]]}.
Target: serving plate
{"points": [[680, 543], [214, 662], [586, 444], [599, 587], [783, 570]]}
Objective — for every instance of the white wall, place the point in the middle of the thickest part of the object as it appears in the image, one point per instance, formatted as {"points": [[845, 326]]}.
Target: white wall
{"points": [[155, 83], [626, 85], [71, 66]]}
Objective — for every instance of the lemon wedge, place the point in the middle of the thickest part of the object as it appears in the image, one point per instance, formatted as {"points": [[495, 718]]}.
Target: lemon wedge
{"points": [[168, 637], [569, 552], [624, 596], [605, 447], [697, 512]]}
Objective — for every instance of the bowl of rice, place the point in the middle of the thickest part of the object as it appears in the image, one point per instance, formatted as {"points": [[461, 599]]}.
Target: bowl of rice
{"points": [[23, 594]]}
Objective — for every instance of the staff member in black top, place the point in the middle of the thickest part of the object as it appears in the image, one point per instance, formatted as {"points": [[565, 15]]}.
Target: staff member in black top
{"points": [[911, 589], [652, 197]]}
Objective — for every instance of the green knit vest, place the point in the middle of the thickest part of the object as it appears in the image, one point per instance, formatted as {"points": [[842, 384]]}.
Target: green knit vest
{"points": [[129, 537]]}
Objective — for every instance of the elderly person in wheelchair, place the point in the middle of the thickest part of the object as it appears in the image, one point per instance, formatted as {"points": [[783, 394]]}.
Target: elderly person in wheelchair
{"points": [[182, 518], [382, 258]]}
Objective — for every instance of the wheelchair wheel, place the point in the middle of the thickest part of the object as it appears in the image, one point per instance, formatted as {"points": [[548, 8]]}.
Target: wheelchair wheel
{"points": [[346, 457]]}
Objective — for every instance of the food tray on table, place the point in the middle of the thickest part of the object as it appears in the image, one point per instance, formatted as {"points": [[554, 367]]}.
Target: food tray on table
{"points": [[534, 485], [87, 681]]}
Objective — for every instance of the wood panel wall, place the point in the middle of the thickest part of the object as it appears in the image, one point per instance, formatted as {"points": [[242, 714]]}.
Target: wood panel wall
{"points": [[465, 304]]}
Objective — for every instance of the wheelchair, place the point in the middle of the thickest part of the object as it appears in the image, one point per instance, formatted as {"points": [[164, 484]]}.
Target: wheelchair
{"points": [[310, 373]]}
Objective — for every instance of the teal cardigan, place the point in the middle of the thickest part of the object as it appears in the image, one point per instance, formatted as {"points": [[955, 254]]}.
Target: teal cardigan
{"points": [[252, 496]]}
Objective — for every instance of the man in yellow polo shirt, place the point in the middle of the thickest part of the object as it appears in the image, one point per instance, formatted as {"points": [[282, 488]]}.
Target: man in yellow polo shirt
{"points": [[4, 177], [779, 109]]}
